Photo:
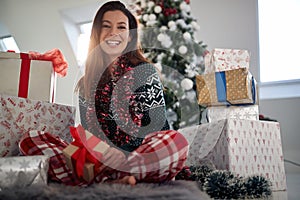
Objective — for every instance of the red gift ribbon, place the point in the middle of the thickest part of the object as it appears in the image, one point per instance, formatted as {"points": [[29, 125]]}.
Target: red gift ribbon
{"points": [[59, 63], [58, 60], [24, 75], [84, 152]]}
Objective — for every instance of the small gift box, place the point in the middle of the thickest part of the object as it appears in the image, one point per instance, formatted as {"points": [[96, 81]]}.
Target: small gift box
{"points": [[216, 113], [20, 115], [31, 75], [83, 155], [22, 171], [232, 87], [226, 59], [245, 147]]}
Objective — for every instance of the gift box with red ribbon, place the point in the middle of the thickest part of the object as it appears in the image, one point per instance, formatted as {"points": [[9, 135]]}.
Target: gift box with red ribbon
{"points": [[84, 154], [31, 75]]}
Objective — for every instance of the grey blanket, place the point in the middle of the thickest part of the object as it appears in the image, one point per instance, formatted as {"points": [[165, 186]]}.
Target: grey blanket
{"points": [[176, 190]]}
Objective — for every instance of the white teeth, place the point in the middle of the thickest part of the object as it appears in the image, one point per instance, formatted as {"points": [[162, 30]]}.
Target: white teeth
{"points": [[113, 42]]}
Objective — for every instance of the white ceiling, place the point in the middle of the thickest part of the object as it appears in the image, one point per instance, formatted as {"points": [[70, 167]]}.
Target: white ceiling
{"points": [[83, 13]]}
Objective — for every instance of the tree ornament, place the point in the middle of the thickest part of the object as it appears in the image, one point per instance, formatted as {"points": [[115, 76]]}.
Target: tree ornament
{"points": [[182, 50], [157, 9], [186, 84]]}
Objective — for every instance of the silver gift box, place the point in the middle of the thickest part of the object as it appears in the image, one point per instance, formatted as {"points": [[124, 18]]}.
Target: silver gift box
{"points": [[22, 171]]}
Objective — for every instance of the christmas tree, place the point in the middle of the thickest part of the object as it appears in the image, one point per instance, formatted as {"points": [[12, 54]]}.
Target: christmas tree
{"points": [[167, 38]]}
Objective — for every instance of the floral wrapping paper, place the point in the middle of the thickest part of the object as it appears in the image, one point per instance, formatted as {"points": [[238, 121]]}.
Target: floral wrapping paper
{"points": [[22, 171], [27, 78], [20, 115], [226, 59], [216, 113], [245, 147]]}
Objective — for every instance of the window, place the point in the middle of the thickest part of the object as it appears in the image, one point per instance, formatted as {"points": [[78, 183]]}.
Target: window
{"points": [[8, 43], [83, 41], [279, 42]]}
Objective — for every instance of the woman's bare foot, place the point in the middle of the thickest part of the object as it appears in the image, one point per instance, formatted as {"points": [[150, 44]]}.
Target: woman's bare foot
{"points": [[129, 180]]}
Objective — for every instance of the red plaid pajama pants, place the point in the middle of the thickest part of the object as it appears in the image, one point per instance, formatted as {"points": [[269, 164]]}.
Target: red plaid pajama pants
{"points": [[160, 157]]}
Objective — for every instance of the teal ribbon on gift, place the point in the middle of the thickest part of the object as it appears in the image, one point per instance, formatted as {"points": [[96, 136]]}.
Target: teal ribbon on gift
{"points": [[221, 86]]}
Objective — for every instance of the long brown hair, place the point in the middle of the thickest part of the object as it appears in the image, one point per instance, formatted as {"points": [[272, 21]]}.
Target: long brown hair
{"points": [[96, 63]]}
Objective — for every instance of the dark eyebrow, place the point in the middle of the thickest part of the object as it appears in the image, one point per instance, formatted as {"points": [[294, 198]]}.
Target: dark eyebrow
{"points": [[107, 21], [122, 23]]}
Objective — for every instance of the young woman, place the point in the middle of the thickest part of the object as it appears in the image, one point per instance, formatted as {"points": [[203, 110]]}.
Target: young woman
{"points": [[121, 102]]}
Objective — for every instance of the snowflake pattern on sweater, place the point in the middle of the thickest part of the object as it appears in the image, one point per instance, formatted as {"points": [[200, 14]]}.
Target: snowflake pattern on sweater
{"points": [[128, 106]]}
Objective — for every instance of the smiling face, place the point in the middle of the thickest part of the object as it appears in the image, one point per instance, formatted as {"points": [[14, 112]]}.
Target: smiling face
{"points": [[114, 35]]}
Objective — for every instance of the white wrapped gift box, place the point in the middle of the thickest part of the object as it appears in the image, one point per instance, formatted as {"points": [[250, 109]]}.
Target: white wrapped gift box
{"points": [[245, 147], [27, 78], [23, 171], [226, 59], [216, 113], [20, 115]]}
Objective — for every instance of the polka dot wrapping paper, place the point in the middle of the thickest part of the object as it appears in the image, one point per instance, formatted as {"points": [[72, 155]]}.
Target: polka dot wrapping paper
{"points": [[231, 87]]}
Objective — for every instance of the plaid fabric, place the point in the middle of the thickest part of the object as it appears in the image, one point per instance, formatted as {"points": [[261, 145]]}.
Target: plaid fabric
{"points": [[160, 157], [43, 143]]}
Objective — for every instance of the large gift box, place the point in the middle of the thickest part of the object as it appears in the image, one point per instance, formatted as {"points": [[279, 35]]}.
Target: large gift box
{"points": [[23, 171], [216, 113], [245, 147], [83, 155], [20, 115], [232, 87], [24, 77], [226, 59]]}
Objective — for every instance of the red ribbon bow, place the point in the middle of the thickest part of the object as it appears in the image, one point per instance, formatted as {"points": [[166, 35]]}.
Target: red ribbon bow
{"points": [[84, 153], [59, 63]]}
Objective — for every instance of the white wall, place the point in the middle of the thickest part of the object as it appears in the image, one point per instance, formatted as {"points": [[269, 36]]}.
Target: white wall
{"points": [[37, 25], [234, 24], [229, 24]]}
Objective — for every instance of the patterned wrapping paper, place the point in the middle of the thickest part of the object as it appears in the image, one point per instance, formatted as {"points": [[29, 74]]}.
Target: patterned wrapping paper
{"points": [[245, 147], [27, 78], [86, 150], [226, 59], [216, 113], [206, 89], [239, 86], [20, 115], [22, 171], [232, 87]]}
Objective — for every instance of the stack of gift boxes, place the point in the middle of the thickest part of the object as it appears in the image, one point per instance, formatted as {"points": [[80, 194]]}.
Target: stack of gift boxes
{"points": [[230, 134], [27, 92]]}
